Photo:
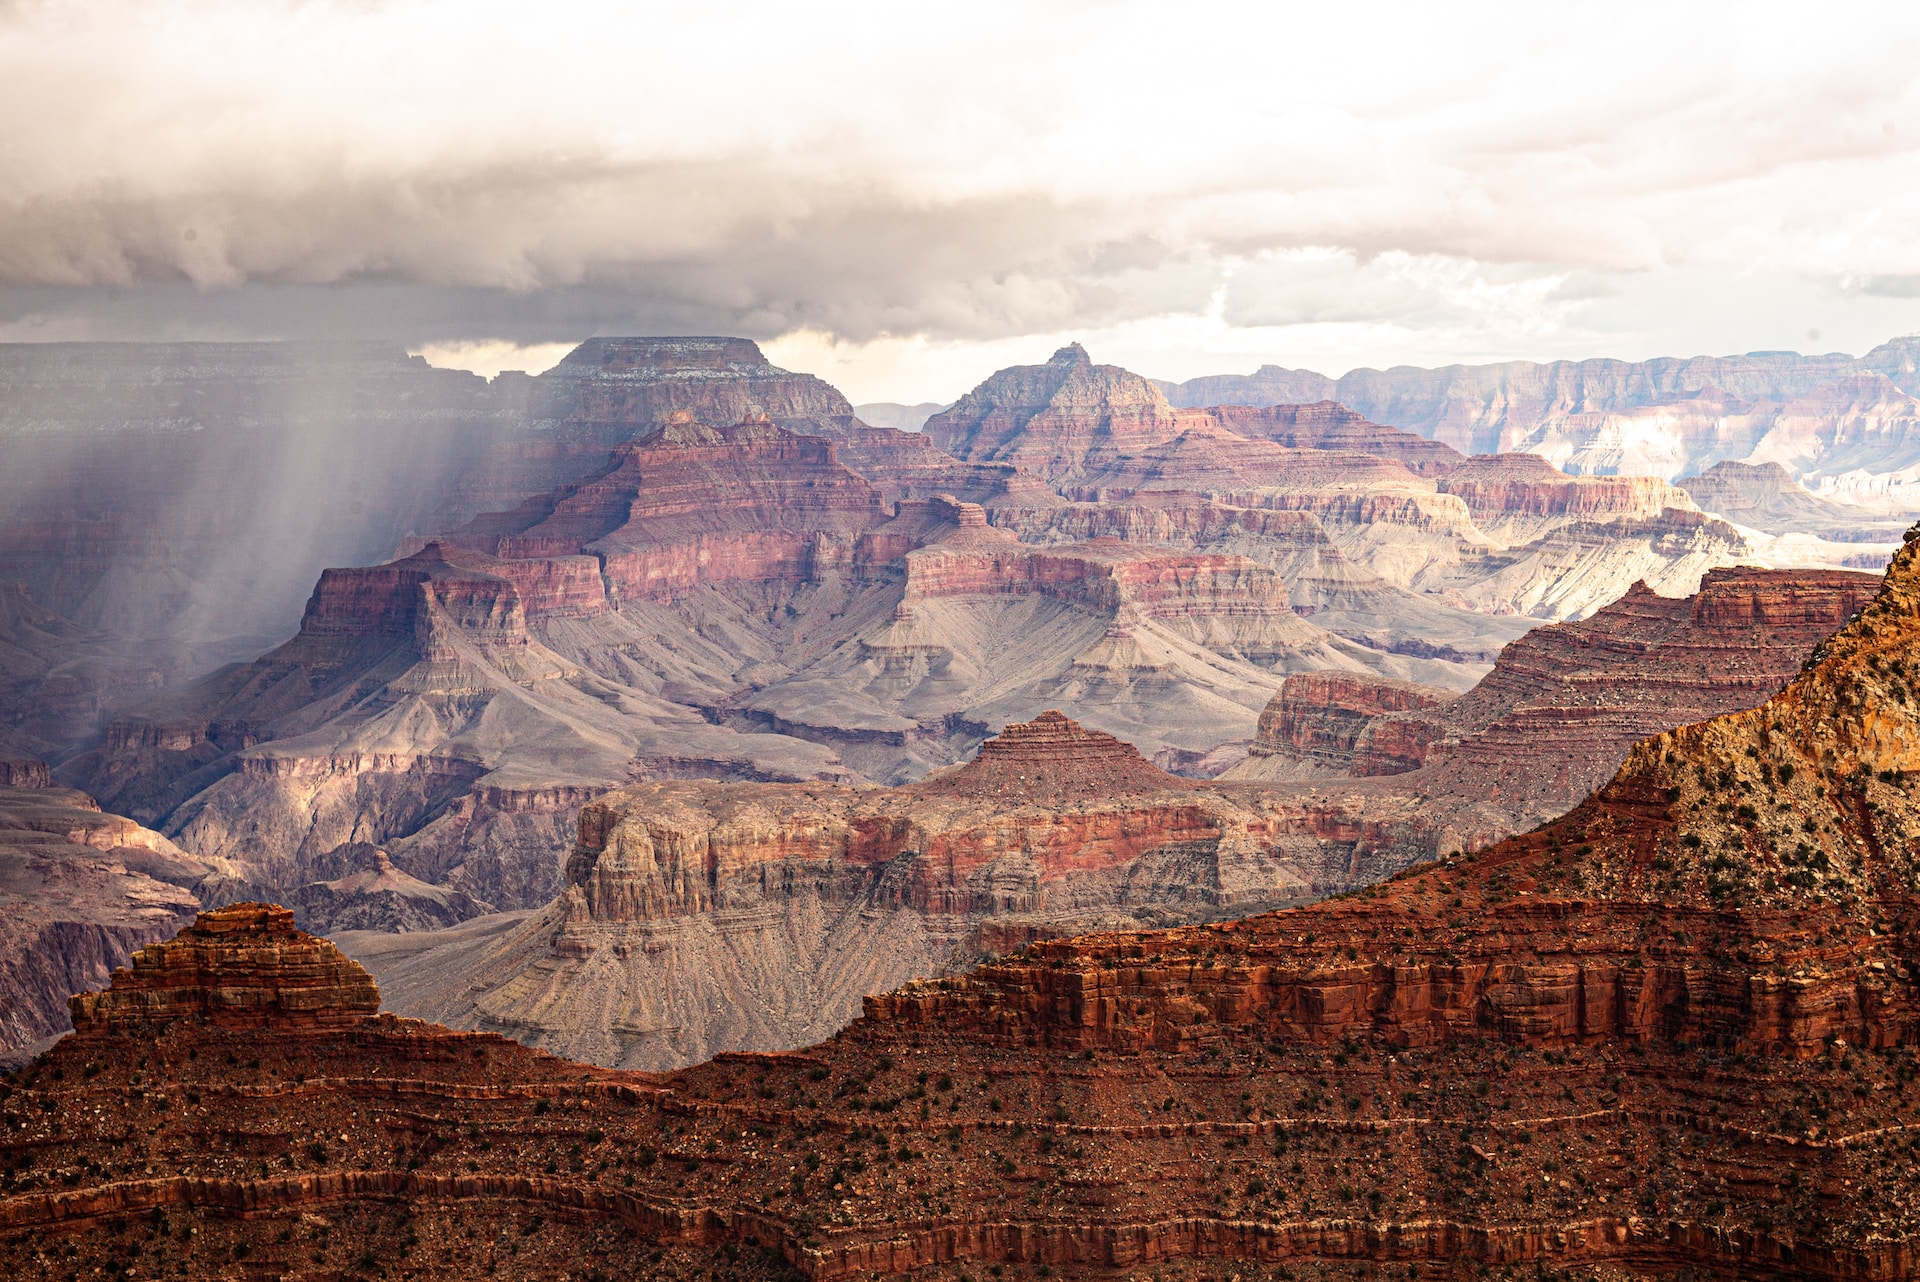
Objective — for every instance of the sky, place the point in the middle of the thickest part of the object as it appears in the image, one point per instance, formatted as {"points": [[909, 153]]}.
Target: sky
{"points": [[902, 198]]}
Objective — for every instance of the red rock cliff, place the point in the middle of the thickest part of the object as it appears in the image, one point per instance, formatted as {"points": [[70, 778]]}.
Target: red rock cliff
{"points": [[245, 966]]}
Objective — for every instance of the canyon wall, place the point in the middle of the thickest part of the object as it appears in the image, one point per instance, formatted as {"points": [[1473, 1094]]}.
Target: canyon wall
{"points": [[1845, 426], [1675, 1029], [1560, 710]]}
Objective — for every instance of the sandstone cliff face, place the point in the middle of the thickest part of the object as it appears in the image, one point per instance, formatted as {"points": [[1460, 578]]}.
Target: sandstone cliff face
{"points": [[1343, 723], [79, 889], [702, 917], [1558, 712], [1675, 1029]]}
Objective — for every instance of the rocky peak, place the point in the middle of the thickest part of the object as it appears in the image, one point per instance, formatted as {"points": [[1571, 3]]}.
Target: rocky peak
{"points": [[1051, 418], [243, 966], [1052, 760]]}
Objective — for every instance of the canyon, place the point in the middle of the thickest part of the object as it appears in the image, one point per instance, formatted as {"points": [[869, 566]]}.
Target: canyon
{"points": [[1844, 426], [1671, 1032], [667, 561], [1558, 712], [702, 917]]}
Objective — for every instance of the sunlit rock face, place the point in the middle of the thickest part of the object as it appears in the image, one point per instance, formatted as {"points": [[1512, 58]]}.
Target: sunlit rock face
{"points": [[1560, 710], [80, 889], [669, 560], [1674, 1029], [702, 916]]}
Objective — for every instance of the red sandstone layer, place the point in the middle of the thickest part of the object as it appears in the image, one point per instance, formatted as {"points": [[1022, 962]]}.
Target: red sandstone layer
{"points": [[1675, 1029]]}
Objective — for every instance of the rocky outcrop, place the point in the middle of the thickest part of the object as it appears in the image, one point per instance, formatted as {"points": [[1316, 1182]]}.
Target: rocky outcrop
{"points": [[1560, 710], [613, 389], [79, 890], [1327, 425], [243, 966], [371, 894], [1344, 723], [1054, 420], [1674, 1029], [1766, 497], [1500, 488], [24, 772], [1051, 760], [755, 915]]}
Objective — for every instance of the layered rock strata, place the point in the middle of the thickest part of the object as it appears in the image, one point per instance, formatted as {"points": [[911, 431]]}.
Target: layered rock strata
{"points": [[1593, 405], [1560, 710], [243, 966], [1766, 497], [716, 601], [79, 891], [1337, 721], [1498, 534], [1674, 1030], [703, 917]]}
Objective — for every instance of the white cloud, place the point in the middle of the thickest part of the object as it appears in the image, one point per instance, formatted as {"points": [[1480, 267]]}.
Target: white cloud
{"points": [[1304, 180]]}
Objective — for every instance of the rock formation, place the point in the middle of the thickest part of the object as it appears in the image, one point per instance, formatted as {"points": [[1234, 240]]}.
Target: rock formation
{"points": [[1674, 1030], [1343, 723], [714, 601], [370, 893], [1846, 428], [1556, 715], [243, 966], [702, 917], [1481, 409], [1500, 534], [1766, 497], [667, 559], [807, 893], [79, 890], [166, 508]]}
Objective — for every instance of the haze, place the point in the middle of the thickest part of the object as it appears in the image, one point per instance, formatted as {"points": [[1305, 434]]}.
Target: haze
{"points": [[902, 200]]}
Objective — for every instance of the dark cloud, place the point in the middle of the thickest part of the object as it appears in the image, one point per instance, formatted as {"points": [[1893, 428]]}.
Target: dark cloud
{"points": [[431, 171]]}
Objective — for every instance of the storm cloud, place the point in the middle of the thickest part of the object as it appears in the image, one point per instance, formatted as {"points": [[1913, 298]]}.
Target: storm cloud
{"points": [[1485, 176]]}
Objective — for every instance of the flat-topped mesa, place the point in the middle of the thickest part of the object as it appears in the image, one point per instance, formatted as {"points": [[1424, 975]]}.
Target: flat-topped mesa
{"points": [[619, 388], [1052, 760], [1799, 603], [1343, 721], [1499, 486], [243, 966]]}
